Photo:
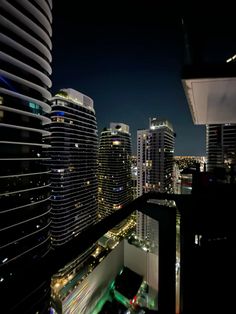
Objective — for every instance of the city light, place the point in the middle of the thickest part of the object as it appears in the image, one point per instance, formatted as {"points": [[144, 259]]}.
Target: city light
{"points": [[231, 59], [116, 143]]}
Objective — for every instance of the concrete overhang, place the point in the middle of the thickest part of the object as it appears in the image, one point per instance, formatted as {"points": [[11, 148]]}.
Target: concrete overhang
{"points": [[211, 95]]}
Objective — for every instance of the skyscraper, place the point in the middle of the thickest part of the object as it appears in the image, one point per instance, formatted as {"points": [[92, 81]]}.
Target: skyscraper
{"points": [[155, 157], [134, 175], [25, 189], [220, 145], [114, 169], [155, 150], [74, 164]]}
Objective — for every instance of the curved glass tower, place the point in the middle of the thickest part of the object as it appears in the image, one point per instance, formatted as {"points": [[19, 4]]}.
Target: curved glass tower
{"points": [[24, 181], [114, 169], [74, 164]]}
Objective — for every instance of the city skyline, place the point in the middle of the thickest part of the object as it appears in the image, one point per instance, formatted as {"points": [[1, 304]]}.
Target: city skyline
{"points": [[131, 67], [136, 63]]}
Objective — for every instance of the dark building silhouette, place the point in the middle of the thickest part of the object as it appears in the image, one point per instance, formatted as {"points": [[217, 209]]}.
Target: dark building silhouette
{"points": [[208, 256], [221, 146], [209, 79]]}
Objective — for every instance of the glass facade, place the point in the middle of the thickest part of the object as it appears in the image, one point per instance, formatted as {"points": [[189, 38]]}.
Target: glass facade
{"points": [[155, 157], [155, 163], [221, 146], [114, 169], [24, 179], [73, 164]]}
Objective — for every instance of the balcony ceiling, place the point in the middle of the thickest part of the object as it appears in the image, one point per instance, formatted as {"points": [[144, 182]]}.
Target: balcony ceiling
{"points": [[211, 100], [210, 90]]}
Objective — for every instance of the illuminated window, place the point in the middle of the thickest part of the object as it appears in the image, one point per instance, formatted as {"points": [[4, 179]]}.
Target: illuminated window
{"points": [[60, 170], [116, 206], [148, 163], [116, 142], [197, 239], [33, 105], [59, 119]]}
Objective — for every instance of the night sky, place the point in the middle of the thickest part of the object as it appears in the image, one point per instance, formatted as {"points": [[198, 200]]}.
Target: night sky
{"points": [[129, 62]]}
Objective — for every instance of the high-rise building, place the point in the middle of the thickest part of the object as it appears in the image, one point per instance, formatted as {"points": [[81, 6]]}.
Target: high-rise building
{"points": [[155, 157], [220, 145], [134, 175], [155, 150], [73, 163], [114, 169], [25, 188]]}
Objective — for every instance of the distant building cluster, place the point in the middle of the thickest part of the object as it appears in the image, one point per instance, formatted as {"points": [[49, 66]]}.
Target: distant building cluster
{"points": [[184, 162]]}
